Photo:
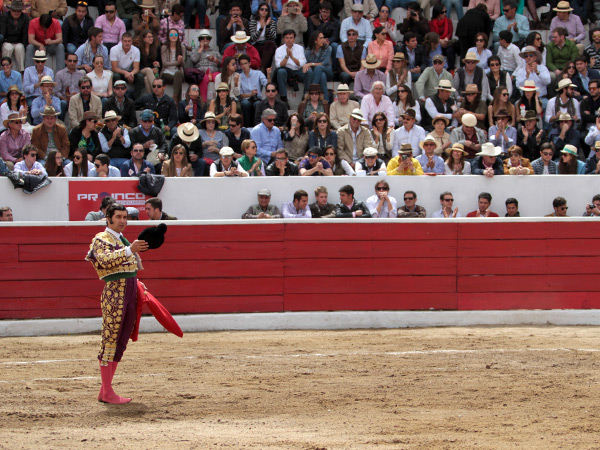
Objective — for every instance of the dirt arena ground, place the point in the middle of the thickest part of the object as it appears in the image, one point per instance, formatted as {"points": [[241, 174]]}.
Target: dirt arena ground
{"points": [[433, 388]]}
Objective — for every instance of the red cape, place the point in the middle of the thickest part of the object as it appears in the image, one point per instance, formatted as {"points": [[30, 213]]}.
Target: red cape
{"points": [[158, 311]]}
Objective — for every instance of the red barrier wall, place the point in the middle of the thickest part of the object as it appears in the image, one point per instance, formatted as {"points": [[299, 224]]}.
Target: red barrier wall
{"points": [[310, 267]]}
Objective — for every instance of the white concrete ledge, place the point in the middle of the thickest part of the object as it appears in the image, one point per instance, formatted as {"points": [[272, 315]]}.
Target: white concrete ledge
{"points": [[336, 320]]}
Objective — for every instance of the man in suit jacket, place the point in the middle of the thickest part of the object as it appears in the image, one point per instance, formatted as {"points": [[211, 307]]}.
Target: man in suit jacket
{"points": [[346, 144], [41, 132], [348, 207], [82, 102], [583, 76]]}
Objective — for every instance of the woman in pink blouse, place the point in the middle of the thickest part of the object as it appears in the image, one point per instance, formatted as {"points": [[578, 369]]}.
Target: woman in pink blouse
{"points": [[382, 48]]}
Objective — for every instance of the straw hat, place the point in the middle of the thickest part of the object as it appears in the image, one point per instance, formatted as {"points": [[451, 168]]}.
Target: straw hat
{"points": [[502, 113], [371, 62], [88, 115], [314, 88], [409, 113], [148, 4], [205, 33], [564, 83], [563, 7], [564, 117], [399, 56], [343, 88], [111, 115], [209, 116], [470, 56], [13, 88], [597, 145], [529, 115], [471, 89], [570, 149], [47, 79], [428, 139], [456, 147], [357, 114], [222, 86], [530, 49], [469, 120], [405, 149], [49, 111], [240, 37], [358, 7], [14, 117], [446, 85], [188, 132], [488, 149], [529, 86], [436, 118]]}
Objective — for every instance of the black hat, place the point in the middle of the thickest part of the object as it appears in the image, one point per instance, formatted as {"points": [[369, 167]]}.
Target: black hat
{"points": [[154, 236]]}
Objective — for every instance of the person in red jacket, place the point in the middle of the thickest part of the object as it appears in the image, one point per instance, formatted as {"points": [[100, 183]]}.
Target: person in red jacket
{"points": [[485, 201], [241, 46]]}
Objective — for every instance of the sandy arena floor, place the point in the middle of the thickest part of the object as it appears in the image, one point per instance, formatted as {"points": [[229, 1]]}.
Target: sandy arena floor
{"points": [[434, 388]]}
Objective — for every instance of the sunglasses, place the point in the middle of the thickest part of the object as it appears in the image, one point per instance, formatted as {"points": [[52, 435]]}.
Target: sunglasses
{"points": [[352, 34], [479, 40], [85, 87], [313, 156], [110, 120], [322, 121], [494, 65], [448, 199], [547, 153], [157, 85], [6, 65], [178, 153], [264, 9], [271, 90], [40, 62], [563, 208], [506, 10], [110, 11], [138, 150], [148, 121], [381, 188], [96, 165], [437, 62], [173, 34], [120, 87], [370, 157], [270, 120], [408, 198], [205, 38], [280, 159], [333, 154], [72, 60], [231, 125], [74, 157], [92, 120]]}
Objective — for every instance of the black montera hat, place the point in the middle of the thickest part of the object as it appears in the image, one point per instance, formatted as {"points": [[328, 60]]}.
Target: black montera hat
{"points": [[154, 236]]}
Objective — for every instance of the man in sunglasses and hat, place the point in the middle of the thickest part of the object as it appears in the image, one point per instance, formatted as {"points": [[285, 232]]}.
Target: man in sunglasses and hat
{"points": [[122, 105], [241, 46], [46, 99], [468, 135], [565, 133], [364, 79], [404, 163], [13, 139], [471, 74], [440, 104], [533, 71], [488, 162], [428, 82], [14, 27], [342, 107], [564, 102], [50, 135], [353, 138], [33, 74], [114, 139], [149, 136]]}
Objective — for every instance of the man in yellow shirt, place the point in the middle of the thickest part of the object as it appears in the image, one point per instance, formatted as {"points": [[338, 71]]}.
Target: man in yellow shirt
{"points": [[404, 163]]}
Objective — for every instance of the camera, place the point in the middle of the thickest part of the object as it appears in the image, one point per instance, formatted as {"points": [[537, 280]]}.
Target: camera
{"points": [[404, 157]]}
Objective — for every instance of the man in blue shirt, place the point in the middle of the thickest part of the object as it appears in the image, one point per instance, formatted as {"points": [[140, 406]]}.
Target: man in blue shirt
{"points": [[358, 23], [267, 136], [46, 99], [252, 83], [8, 77], [33, 75], [517, 24]]}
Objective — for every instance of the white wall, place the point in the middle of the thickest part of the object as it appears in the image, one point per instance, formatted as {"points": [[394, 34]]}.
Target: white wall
{"points": [[227, 198]]}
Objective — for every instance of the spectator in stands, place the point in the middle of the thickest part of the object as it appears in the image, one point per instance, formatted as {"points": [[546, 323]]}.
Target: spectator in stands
{"points": [[322, 135], [150, 136], [348, 206], [376, 102], [404, 163], [103, 168], [137, 164], [570, 22], [163, 105], [55, 8], [83, 102], [263, 209], [383, 136], [101, 214], [188, 138], [33, 74], [512, 207], [341, 109], [593, 209], [267, 136], [544, 165], [50, 135], [314, 164], [125, 62], [272, 102], [534, 73], [252, 83], [592, 164], [456, 164], [15, 103], [154, 210], [236, 134], [80, 166], [515, 164], [13, 139], [230, 25], [508, 52], [410, 133], [46, 99], [67, 81], [502, 134], [8, 77], [398, 77], [150, 57], [430, 163], [263, 33], [101, 80], [325, 22], [76, 26], [382, 205], [122, 105], [365, 78], [471, 74], [14, 27], [529, 101], [314, 103], [318, 69], [92, 47], [206, 64], [357, 23], [250, 162], [321, 209], [566, 132], [560, 52], [517, 24], [592, 51], [410, 208], [173, 60], [29, 165], [225, 166], [415, 22], [111, 25], [447, 202], [498, 77], [86, 135], [177, 165], [488, 162], [6, 214], [142, 16], [282, 166], [289, 61], [114, 139], [442, 138], [481, 50], [240, 39], [469, 136], [584, 76], [529, 136], [476, 20], [338, 166], [589, 111], [415, 53], [473, 104], [350, 55], [560, 208], [173, 21], [292, 19], [370, 164], [353, 138], [382, 48], [298, 208], [295, 137], [428, 83], [484, 204], [569, 164], [440, 104], [213, 140], [44, 34]]}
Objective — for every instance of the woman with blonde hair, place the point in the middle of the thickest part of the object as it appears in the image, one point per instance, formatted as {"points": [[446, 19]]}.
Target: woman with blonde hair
{"points": [[250, 162], [177, 165], [397, 77]]}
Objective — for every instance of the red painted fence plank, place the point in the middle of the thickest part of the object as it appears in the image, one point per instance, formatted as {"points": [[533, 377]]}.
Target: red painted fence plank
{"points": [[519, 247], [527, 230], [382, 249], [369, 302], [529, 300], [370, 266], [529, 265], [528, 283], [369, 284], [385, 231]]}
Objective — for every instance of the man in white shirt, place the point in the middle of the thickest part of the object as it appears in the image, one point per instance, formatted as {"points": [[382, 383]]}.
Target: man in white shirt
{"points": [[447, 211], [125, 62], [103, 169], [289, 61], [382, 205], [29, 164], [298, 208], [564, 102], [410, 133], [508, 52], [534, 70]]}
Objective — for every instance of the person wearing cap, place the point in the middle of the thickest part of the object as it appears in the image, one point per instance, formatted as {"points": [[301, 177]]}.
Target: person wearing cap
{"points": [[163, 105], [282, 166], [571, 22], [292, 19], [456, 164], [533, 71], [263, 209], [468, 135], [592, 164], [568, 163], [516, 23], [92, 47], [298, 207], [137, 164], [353, 138], [46, 99], [397, 77], [350, 55], [544, 165], [123, 106], [471, 74], [206, 64], [321, 208], [226, 166], [13, 29], [272, 102], [404, 163], [474, 104], [560, 208], [230, 24], [45, 34], [114, 139], [502, 134], [447, 202], [33, 74], [125, 64], [314, 164], [560, 52], [415, 22], [430, 163], [289, 63], [365, 78], [370, 164], [564, 102], [529, 136], [488, 162], [508, 52], [484, 202], [566, 132], [138, 16], [376, 102], [440, 104], [84, 101], [149, 135], [103, 167], [13, 139], [439, 134], [111, 25], [428, 82], [50, 135], [342, 107], [409, 133], [76, 26], [515, 164], [240, 47], [382, 205], [357, 22], [348, 207]]}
